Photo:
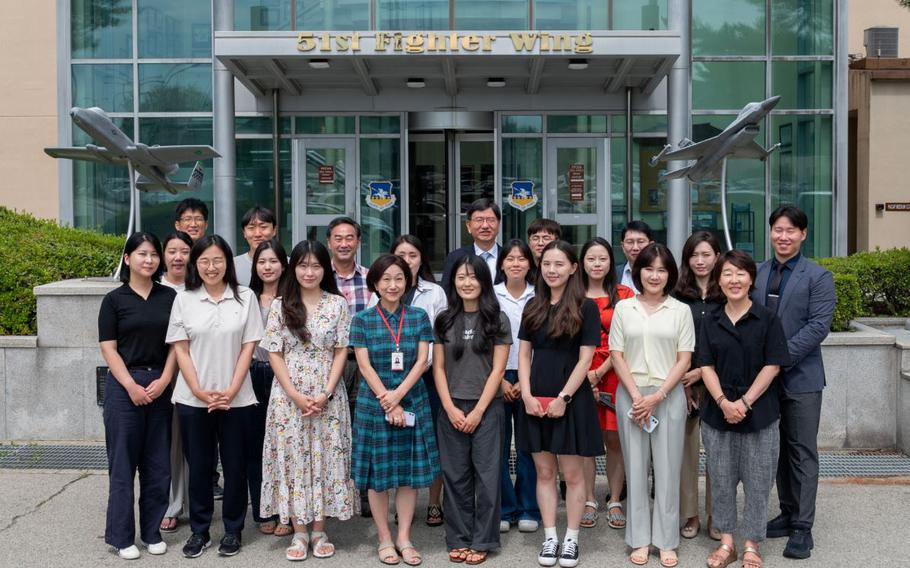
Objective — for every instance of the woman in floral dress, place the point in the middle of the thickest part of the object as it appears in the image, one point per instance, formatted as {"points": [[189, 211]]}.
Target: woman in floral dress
{"points": [[306, 459]]}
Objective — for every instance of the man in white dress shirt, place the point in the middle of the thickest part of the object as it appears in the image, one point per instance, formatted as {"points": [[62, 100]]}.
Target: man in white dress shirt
{"points": [[636, 235]]}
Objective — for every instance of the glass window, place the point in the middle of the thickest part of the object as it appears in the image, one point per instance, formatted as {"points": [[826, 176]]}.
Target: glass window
{"points": [[801, 174], [639, 14], [522, 172], [728, 27], [101, 29], [255, 182], [648, 123], [325, 125], [649, 205], [570, 15], [428, 211], [101, 197], [107, 86], [618, 124], [802, 84], [486, 15], [583, 124], [412, 14], [262, 15], [802, 27], [260, 125], [745, 193], [514, 123], [175, 87], [727, 84], [380, 124], [175, 28], [617, 195], [380, 161], [333, 15], [158, 207]]}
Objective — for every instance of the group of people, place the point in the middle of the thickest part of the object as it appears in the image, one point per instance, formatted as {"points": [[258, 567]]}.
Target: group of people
{"points": [[323, 385]]}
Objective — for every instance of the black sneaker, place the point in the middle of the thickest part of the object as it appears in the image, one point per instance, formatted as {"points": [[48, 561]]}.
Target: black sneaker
{"points": [[196, 545], [549, 552], [230, 545], [799, 545], [569, 556], [779, 526], [217, 492]]}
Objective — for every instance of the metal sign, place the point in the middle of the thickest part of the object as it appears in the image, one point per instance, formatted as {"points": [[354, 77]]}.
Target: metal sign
{"points": [[326, 174], [900, 206], [576, 182]]}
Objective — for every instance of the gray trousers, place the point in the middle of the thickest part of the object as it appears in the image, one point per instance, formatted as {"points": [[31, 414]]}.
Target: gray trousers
{"points": [[471, 473], [797, 466], [750, 458], [664, 445], [179, 502]]}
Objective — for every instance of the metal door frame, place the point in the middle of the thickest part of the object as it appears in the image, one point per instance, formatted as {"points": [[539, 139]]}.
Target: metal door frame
{"points": [[302, 220], [459, 226], [601, 219]]}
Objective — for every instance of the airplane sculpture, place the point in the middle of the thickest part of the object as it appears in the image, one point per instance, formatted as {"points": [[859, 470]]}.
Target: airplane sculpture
{"points": [[154, 163], [735, 141], [710, 156]]}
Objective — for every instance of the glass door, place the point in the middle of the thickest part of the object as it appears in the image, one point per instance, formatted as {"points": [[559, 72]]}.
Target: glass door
{"points": [[324, 183], [428, 201], [474, 178], [577, 195]]}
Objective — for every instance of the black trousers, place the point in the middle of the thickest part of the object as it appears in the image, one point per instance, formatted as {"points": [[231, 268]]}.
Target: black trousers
{"points": [[261, 376], [797, 465], [138, 438], [201, 430]]}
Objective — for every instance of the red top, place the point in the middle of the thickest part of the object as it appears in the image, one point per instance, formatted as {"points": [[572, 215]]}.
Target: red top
{"points": [[602, 352]]}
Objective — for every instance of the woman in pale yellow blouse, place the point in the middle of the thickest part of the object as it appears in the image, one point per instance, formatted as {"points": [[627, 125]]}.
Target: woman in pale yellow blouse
{"points": [[651, 341]]}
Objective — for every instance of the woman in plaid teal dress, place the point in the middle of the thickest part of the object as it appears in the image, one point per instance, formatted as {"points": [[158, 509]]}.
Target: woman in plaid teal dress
{"points": [[390, 451]]}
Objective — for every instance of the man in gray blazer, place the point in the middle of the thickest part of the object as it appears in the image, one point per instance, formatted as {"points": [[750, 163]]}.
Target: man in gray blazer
{"points": [[802, 294]]}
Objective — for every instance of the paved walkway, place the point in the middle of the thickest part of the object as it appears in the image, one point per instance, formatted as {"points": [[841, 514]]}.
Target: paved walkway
{"points": [[56, 518]]}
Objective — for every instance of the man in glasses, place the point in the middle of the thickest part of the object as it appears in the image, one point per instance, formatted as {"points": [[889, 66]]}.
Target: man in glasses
{"points": [[192, 217], [542, 232], [636, 235], [483, 221]]}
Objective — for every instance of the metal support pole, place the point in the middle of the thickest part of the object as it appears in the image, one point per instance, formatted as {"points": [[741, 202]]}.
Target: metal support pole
{"points": [[629, 196], [678, 217], [276, 159], [132, 218], [723, 203], [225, 194]]}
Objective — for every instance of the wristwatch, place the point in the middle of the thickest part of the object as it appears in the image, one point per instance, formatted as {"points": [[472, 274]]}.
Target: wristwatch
{"points": [[566, 397], [329, 395]]}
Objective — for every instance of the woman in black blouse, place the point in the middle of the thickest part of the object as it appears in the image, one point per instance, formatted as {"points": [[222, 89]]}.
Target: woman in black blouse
{"points": [[741, 348], [132, 325]]}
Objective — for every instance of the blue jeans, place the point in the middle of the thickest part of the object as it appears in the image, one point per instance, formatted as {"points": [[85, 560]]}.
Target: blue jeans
{"points": [[519, 501]]}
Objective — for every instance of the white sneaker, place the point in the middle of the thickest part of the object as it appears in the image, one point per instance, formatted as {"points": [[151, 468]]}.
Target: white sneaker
{"points": [[504, 526], [157, 548], [128, 553], [528, 525]]}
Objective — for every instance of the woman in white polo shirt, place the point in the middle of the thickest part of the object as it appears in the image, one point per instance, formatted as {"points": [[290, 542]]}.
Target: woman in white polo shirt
{"points": [[651, 342], [215, 325]]}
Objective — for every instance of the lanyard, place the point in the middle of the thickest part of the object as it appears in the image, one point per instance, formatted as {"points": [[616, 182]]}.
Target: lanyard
{"points": [[396, 338]]}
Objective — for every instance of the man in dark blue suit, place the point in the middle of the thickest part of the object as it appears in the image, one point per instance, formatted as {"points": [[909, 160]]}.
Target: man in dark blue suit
{"points": [[802, 294], [483, 221]]}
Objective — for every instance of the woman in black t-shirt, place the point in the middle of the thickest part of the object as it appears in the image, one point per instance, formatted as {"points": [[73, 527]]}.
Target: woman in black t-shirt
{"points": [[559, 330], [132, 325]]}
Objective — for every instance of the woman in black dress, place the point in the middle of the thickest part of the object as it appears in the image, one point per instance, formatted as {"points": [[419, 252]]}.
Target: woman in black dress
{"points": [[559, 331]]}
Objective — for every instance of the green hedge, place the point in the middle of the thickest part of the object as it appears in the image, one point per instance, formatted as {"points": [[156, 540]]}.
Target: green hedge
{"points": [[873, 283], [36, 251]]}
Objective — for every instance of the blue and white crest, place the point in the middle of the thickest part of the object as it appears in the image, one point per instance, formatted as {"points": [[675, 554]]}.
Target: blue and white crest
{"points": [[380, 197], [522, 196]]}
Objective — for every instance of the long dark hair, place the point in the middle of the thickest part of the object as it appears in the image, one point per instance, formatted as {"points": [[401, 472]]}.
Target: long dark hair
{"points": [[424, 272], [256, 283], [292, 306], [686, 288], [609, 283], [488, 307], [525, 251], [565, 318], [134, 242], [194, 281]]}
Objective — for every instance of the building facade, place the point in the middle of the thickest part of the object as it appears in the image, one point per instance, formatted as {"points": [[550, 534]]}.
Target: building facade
{"points": [[400, 112]]}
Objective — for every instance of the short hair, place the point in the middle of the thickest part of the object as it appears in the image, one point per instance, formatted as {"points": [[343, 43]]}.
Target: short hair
{"points": [[342, 221], [191, 204], [383, 263], [544, 225], [739, 259], [647, 256], [796, 216], [638, 226], [258, 212], [134, 242], [180, 236], [483, 204]]}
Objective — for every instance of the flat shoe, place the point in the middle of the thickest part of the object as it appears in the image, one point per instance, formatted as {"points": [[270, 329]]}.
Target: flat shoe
{"points": [[669, 559], [267, 527], [690, 531], [168, 525], [283, 530], [716, 561], [321, 542], [389, 559], [416, 558], [476, 557], [458, 555], [639, 560], [300, 543]]}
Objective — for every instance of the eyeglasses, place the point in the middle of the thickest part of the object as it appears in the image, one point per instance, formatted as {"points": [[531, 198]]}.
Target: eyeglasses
{"points": [[205, 262], [480, 221], [542, 238], [187, 220]]}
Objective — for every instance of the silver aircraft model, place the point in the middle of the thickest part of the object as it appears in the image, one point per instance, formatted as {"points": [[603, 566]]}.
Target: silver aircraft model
{"points": [[735, 141], [154, 163]]}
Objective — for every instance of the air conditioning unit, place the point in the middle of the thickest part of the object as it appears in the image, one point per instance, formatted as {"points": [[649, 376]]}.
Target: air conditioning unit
{"points": [[880, 41]]}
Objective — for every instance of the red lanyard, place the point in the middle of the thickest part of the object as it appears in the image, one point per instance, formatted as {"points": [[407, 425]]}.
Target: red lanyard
{"points": [[396, 338]]}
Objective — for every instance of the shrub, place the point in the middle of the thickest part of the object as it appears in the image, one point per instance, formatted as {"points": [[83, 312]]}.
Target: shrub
{"points": [[36, 251], [849, 301], [882, 280]]}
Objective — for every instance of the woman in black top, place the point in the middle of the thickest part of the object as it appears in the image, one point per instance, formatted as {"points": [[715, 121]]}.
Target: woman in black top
{"points": [[741, 348], [559, 330], [132, 324]]}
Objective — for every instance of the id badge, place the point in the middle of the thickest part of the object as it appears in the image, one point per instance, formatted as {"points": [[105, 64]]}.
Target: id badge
{"points": [[397, 361]]}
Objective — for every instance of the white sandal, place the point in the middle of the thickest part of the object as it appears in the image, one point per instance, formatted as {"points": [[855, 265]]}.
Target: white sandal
{"points": [[589, 518], [321, 540], [616, 520], [299, 542]]}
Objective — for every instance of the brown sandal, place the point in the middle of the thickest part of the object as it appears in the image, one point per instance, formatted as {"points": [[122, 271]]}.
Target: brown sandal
{"points": [[434, 516], [476, 557], [268, 527], [459, 555], [715, 560], [752, 563]]}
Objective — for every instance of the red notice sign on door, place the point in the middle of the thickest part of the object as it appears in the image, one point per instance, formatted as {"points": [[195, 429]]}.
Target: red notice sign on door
{"points": [[576, 182], [327, 174]]}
